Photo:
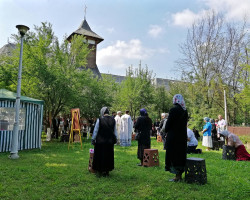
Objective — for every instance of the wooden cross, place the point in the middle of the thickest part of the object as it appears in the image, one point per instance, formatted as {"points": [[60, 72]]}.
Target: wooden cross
{"points": [[85, 12]]}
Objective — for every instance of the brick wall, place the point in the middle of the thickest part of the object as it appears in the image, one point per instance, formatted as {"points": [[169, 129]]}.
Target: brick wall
{"points": [[239, 130]]}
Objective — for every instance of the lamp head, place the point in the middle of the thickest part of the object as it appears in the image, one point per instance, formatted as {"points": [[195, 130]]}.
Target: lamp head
{"points": [[22, 29]]}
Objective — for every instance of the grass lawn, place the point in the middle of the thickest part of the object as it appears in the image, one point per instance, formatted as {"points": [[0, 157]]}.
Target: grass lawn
{"points": [[56, 173]]}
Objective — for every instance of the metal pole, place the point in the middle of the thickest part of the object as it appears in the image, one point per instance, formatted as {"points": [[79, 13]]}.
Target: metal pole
{"points": [[14, 143], [225, 102]]}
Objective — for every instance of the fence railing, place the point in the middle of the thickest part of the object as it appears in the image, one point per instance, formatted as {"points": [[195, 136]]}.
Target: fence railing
{"points": [[239, 130]]}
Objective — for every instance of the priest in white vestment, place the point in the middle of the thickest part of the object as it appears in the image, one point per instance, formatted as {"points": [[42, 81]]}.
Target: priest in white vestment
{"points": [[118, 125], [126, 130]]}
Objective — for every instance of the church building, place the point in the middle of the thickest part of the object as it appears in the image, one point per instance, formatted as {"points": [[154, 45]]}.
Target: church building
{"points": [[92, 39]]}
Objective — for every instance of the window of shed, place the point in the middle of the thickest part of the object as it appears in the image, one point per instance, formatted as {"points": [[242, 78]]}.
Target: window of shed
{"points": [[7, 119]]}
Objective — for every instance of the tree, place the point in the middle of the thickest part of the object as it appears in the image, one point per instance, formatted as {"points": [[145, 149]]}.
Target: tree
{"points": [[135, 92], [162, 101], [244, 96], [53, 73], [212, 54]]}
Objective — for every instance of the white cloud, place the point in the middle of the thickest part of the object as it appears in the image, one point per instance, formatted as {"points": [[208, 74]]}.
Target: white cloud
{"points": [[155, 31], [233, 10], [184, 18], [122, 54]]}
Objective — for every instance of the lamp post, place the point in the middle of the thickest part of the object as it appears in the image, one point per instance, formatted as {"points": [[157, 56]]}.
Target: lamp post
{"points": [[225, 104], [14, 144]]}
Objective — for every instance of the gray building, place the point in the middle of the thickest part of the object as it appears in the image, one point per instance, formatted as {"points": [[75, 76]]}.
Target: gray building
{"points": [[156, 81]]}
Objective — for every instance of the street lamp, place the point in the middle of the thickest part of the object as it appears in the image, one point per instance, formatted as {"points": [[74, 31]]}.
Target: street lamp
{"points": [[225, 104], [14, 144]]}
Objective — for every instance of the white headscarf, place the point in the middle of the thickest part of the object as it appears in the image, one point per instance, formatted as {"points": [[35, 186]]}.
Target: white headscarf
{"points": [[104, 110], [178, 99], [227, 133]]}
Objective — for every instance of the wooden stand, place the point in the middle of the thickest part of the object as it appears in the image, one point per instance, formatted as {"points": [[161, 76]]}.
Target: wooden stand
{"points": [[150, 158], [75, 128]]}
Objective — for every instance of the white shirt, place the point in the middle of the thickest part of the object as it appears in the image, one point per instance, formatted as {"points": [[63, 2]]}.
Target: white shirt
{"points": [[192, 140], [221, 125], [118, 121], [127, 124]]}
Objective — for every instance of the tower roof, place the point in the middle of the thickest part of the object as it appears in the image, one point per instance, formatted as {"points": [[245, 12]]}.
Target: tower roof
{"points": [[85, 30]]}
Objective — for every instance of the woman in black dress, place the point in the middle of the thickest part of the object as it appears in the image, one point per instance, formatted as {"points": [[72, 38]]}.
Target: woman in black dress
{"points": [[176, 141], [143, 126], [214, 130], [104, 138]]}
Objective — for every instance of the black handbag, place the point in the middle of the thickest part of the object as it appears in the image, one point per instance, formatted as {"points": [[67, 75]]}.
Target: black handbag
{"points": [[137, 135]]}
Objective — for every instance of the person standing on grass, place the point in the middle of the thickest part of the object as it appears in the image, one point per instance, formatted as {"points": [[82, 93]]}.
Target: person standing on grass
{"points": [[176, 141], [221, 126], [143, 126], [234, 141], [164, 117], [207, 138], [126, 129], [214, 130], [118, 125], [104, 138]]}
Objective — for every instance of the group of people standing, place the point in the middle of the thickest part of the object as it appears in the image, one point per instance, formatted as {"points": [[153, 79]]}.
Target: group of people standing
{"points": [[124, 128], [212, 131], [60, 124], [105, 136], [109, 131]]}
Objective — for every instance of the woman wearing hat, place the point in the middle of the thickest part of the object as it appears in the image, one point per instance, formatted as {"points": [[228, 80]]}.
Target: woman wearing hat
{"points": [[143, 126], [207, 138]]}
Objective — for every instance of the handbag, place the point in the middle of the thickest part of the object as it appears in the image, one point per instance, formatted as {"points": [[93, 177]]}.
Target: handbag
{"points": [[137, 135]]}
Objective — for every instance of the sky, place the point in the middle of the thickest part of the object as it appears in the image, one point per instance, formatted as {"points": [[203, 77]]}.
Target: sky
{"points": [[146, 31]]}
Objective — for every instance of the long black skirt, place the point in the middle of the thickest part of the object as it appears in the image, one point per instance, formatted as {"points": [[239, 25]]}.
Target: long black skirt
{"points": [[140, 151], [103, 157]]}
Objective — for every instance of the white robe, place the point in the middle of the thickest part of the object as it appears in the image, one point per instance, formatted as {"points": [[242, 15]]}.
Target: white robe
{"points": [[126, 130], [118, 127]]}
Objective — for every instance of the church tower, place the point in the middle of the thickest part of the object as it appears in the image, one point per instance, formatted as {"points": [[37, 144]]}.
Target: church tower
{"points": [[92, 39]]}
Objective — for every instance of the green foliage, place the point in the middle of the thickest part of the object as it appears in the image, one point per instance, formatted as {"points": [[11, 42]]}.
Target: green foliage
{"points": [[135, 92], [54, 172], [245, 139], [214, 55], [55, 73], [244, 96], [162, 102]]}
